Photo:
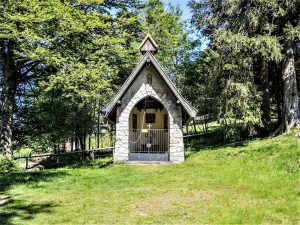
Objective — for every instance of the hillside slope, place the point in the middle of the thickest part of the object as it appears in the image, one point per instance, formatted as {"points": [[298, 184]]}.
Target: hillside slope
{"points": [[257, 182]]}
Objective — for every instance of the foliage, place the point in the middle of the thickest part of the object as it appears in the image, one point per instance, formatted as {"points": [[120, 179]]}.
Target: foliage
{"points": [[200, 86], [8, 165], [74, 59], [247, 40], [62, 61], [24, 151], [240, 109], [69, 61]]}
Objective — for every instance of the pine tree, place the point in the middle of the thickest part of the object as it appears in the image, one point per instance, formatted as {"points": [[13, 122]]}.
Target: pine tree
{"points": [[250, 37]]}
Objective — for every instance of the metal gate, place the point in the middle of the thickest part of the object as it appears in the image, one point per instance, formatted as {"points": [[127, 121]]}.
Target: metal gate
{"points": [[149, 144]]}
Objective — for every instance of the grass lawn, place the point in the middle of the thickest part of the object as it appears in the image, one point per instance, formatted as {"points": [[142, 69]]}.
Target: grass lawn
{"points": [[256, 182], [212, 126]]}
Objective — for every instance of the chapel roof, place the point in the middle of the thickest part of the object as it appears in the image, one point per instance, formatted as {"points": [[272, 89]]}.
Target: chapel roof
{"points": [[149, 57]]}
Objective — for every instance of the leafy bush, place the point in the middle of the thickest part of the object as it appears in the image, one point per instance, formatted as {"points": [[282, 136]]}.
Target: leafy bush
{"points": [[7, 165], [24, 151]]}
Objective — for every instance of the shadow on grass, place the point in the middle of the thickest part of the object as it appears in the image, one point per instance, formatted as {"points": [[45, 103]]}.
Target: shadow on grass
{"points": [[11, 208], [211, 142], [74, 160], [18, 209], [17, 178]]}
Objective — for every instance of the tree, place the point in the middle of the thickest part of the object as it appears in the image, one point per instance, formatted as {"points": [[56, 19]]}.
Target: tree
{"points": [[253, 36], [291, 116], [49, 40]]}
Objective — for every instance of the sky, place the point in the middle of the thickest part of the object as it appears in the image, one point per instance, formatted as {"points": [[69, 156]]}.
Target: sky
{"points": [[183, 5]]}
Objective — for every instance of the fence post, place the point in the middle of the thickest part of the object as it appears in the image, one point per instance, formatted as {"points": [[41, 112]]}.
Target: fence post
{"points": [[92, 155], [26, 163]]}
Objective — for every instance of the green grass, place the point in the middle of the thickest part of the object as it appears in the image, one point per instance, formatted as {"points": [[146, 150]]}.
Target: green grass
{"points": [[212, 127], [254, 182]]}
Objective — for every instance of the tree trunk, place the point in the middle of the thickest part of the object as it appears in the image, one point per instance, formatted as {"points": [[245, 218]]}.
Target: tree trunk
{"points": [[98, 125], [278, 97], [277, 86], [265, 107], [72, 143], [76, 143], [81, 142], [84, 142], [290, 109], [8, 99]]}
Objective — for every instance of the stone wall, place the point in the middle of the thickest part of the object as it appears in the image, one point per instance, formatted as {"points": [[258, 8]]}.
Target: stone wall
{"points": [[137, 91]]}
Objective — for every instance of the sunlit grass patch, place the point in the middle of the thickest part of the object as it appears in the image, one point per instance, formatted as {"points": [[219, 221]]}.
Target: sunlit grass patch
{"points": [[257, 181]]}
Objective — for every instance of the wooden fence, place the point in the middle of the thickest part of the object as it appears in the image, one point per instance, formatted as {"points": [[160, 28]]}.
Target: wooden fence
{"points": [[108, 151]]}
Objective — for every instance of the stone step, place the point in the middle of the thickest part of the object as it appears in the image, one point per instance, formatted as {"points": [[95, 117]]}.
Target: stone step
{"points": [[146, 162]]}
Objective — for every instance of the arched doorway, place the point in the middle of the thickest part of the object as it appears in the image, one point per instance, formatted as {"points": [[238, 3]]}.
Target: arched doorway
{"points": [[149, 131]]}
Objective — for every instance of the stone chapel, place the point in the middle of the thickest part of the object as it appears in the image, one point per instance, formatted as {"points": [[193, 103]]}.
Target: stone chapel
{"points": [[149, 113]]}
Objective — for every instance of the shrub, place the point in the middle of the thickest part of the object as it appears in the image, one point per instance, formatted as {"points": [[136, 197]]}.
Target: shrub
{"points": [[8, 165]]}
